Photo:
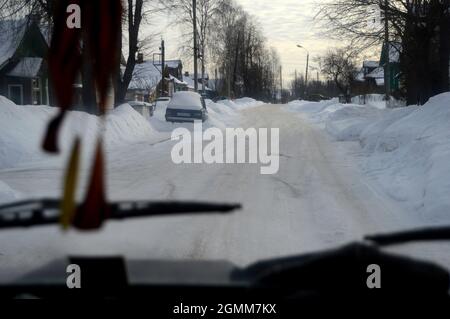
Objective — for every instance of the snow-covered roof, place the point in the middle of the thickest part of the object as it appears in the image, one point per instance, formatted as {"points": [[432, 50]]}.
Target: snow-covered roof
{"points": [[26, 68], [46, 33], [190, 82], [11, 35], [146, 76], [371, 64], [377, 73], [173, 64], [171, 77]]}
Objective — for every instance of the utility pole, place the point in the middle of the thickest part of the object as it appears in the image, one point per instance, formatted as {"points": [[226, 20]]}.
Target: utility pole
{"points": [[215, 79], [203, 70], [295, 84], [306, 74], [281, 84], [163, 64], [307, 68], [387, 71], [194, 22]]}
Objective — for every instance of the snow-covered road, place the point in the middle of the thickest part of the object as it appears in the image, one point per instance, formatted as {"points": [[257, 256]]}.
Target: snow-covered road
{"points": [[318, 199]]}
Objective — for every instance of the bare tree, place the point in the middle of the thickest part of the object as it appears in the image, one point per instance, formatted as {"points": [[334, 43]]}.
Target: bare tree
{"points": [[339, 66], [239, 50], [420, 26], [207, 12], [134, 19]]}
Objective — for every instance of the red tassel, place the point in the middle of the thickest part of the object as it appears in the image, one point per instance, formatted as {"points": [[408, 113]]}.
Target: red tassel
{"points": [[64, 62], [104, 25], [94, 209], [50, 143]]}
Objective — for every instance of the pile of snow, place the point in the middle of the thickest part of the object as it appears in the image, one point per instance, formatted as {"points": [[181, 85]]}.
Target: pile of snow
{"points": [[406, 150], [374, 100], [344, 121], [221, 114], [347, 123], [240, 104], [311, 108], [22, 129]]}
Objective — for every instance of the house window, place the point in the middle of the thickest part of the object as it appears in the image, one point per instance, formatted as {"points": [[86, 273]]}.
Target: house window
{"points": [[15, 93], [36, 91]]}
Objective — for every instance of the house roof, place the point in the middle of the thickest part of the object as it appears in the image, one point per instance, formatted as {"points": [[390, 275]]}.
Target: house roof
{"points": [[11, 35], [177, 81], [190, 82], [145, 76], [173, 64], [378, 73], [371, 64], [26, 67]]}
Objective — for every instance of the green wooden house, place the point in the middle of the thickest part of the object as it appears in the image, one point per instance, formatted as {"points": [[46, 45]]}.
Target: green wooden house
{"points": [[23, 66], [394, 64]]}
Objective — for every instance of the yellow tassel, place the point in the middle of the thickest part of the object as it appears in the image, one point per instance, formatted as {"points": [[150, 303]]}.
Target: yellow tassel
{"points": [[68, 204]]}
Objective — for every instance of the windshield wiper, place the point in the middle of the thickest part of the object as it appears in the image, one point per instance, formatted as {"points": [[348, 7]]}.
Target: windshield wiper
{"points": [[423, 234], [46, 211]]}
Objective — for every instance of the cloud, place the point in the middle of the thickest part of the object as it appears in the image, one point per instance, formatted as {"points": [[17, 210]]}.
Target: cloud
{"points": [[287, 23]]}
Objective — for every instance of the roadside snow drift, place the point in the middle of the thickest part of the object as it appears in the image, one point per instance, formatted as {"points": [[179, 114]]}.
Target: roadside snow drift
{"points": [[406, 150], [22, 128]]}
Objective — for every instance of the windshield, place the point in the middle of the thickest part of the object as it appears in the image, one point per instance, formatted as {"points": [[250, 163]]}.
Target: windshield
{"points": [[323, 129]]}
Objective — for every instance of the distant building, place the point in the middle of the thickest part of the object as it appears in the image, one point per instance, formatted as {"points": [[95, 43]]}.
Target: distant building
{"points": [[189, 79], [395, 49], [369, 80], [145, 84], [175, 68], [23, 67]]}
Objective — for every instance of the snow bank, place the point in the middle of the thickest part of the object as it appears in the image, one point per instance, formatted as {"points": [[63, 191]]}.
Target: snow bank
{"points": [[347, 123], [374, 100], [221, 114], [22, 129], [406, 150], [240, 104]]}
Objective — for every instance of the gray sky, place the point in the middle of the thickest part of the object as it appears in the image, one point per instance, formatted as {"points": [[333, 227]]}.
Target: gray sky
{"points": [[285, 24]]}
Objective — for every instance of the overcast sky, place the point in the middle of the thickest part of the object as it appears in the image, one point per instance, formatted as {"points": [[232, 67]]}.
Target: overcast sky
{"points": [[285, 24]]}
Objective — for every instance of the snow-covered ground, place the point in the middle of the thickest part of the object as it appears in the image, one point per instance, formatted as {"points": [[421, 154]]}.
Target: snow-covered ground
{"points": [[327, 192], [406, 151], [22, 128]]}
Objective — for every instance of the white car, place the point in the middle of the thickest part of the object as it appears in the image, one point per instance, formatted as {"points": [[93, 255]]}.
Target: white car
{"points": [[186, 107]]}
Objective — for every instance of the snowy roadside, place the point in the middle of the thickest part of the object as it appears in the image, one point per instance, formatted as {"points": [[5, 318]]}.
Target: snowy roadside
{"points": [[22, 128], [404, 151]]}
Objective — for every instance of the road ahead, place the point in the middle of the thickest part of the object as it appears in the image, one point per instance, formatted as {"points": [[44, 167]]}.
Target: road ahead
{"points": [[317, 199]]}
